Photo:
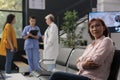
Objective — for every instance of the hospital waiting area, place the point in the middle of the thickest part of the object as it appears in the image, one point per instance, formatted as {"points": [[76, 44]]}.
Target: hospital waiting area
{"points": [[59, 39]]}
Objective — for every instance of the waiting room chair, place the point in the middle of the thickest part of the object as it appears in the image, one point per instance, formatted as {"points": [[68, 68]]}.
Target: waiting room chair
{"points": [[115, 66], [43, 71]]}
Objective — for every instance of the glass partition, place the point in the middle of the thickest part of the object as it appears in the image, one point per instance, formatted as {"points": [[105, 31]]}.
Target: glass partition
{"points": [[14, 7]]}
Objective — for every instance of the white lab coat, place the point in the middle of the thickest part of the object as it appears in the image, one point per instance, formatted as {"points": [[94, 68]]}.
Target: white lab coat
{"points": [[51, 45]]}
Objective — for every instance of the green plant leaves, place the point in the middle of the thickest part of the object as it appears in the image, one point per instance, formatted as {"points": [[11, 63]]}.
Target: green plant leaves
{"points": [[69, 26]]}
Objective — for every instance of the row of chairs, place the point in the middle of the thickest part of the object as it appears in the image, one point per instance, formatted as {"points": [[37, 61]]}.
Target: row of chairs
{"points": [[113, 71]]}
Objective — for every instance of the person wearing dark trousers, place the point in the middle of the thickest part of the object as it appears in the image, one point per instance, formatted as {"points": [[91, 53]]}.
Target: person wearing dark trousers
{"points": [[2, 62], [67, 76], [8, 45], [96, 60]]}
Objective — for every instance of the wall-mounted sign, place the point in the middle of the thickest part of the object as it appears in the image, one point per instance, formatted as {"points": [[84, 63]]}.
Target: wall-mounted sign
{"points": [[37, 4]]}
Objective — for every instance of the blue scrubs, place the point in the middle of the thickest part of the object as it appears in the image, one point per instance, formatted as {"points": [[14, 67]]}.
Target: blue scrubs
{"points": [[31, 47]]}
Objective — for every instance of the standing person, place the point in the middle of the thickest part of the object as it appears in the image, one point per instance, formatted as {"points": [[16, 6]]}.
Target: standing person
{"points": [[31, 44], [8, 44], [50, 43], [96, 60]]}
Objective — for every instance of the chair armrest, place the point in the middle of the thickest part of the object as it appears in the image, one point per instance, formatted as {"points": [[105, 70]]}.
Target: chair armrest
{"points": [[67, 65], [41, 61], [46, 60]]}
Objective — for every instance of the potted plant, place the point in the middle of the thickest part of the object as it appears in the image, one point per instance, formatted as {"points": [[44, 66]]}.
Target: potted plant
{"points": [[69, 25]]}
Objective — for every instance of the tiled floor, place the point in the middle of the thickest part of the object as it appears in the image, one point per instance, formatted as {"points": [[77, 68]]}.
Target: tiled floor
{"points": [[15, 76], [31, 78]]}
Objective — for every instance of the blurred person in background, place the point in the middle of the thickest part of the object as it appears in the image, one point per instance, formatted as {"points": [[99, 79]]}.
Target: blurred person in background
{"points": [[8, 45], [31, 44], [51, 45]]}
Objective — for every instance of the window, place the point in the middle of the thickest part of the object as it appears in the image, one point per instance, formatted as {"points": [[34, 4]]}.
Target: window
{"points": [[14, 7]]}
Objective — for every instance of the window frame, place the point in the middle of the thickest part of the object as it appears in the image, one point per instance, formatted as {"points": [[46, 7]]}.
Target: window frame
{"points": [[15, 11]]}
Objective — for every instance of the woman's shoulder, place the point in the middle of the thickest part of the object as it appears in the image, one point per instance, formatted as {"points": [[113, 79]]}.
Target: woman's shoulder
{"points": [[54, 26], [7, 26], [104, 40], [89, 45], [107, 39]]}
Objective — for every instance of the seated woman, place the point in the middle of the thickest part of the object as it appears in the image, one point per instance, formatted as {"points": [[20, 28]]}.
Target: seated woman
{"points": [[96, 60]]}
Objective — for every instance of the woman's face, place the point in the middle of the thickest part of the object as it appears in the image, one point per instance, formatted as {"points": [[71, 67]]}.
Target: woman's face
{"points": [[96, 29], [48, 21], [14, 21]]}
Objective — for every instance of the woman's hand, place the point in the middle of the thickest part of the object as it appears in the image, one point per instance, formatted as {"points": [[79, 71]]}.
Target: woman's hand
{"points": [[15, 49], [77, 61], [90, 65], [12, 49], [77, 73]]}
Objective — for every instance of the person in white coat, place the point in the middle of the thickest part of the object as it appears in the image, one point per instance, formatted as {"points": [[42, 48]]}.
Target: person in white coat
{"points": [[51, 45]]}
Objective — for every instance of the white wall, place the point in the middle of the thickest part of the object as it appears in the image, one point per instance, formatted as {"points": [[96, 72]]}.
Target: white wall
{"points": [[110, 5], [116, 39]]}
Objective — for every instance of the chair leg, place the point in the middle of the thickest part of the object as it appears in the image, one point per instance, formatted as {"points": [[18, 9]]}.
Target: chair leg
{"points": [[2, 76]]}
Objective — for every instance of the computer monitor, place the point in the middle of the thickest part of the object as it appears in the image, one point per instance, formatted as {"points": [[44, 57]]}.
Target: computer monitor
{"points": [[111, 19]]}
